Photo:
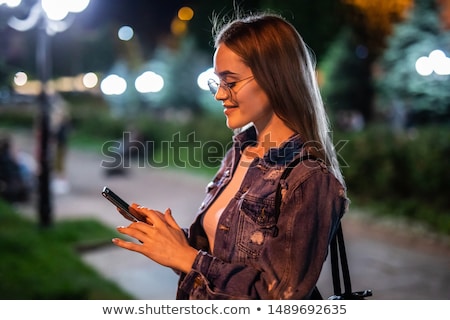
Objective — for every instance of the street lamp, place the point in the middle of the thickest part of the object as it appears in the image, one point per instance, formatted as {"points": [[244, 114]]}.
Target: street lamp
{"points": [[50, 17]]}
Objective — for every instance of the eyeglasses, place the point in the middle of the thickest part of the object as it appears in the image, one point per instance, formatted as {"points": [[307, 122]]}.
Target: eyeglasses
{"points": [[227, 86]]}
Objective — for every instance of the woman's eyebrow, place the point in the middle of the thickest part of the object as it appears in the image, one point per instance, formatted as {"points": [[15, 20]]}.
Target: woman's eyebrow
{"points": [[226, 73]]}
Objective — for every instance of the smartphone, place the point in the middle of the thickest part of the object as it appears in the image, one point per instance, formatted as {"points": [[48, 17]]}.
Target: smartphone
{"points": [[119, 202]]}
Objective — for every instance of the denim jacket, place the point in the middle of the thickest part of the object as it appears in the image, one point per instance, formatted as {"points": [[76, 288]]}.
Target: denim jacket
{"points": [[257, 256]]}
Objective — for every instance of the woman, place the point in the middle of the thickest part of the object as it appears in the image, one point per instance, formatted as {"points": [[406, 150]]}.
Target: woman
{"points": [[239, 247]]}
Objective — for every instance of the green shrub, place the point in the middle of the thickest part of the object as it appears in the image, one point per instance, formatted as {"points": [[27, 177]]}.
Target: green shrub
{"points": [[408, 171], [23, 116]]}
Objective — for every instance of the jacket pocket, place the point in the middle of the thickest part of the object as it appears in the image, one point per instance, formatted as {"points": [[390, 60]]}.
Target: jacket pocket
{"points": [[256, 226]]}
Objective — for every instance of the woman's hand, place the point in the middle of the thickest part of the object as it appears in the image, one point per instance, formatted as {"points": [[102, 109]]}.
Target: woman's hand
{"points": [[162, 240]]}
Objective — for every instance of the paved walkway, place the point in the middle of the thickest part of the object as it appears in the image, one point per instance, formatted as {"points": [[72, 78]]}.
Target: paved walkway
{"points": [[394, 261]]}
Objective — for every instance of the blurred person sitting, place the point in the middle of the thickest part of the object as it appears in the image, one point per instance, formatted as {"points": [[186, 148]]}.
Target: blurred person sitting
{"points": [[16, 176]]}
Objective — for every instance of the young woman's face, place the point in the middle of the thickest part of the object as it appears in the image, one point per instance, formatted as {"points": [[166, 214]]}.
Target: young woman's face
{"points": [[244, 101]]}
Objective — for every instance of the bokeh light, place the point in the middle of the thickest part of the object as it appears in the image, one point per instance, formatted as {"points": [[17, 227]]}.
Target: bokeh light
{"points": [[57, 10], [125, 33], [113, 85], [202, 79], [11, 3], [185, 14], [423, 66], [76, 6], [178, 27], [90, 80], [436, 62], [149, 82], [54, 10], [20, 78]]}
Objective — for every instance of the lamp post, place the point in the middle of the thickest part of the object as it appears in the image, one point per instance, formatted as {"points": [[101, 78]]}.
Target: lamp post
{"points": [[45, 209], [50, 17]]}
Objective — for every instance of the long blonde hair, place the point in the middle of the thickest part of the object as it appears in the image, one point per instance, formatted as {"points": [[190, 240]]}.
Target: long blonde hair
{"points": [[284, 67]]}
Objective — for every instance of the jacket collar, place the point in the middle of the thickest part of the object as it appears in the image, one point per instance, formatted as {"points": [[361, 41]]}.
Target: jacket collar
{"points": [[288, 151]]}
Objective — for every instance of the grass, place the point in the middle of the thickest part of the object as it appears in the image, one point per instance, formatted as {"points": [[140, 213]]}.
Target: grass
{"points": [[44, 263]]}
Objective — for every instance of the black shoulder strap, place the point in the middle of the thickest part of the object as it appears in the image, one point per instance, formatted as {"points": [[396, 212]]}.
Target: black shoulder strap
{"points": [[339, 258], [338, 253]]}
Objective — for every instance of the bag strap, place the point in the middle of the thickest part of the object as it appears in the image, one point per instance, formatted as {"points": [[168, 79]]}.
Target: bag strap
{"points": [[339, 258], [338, 254]]}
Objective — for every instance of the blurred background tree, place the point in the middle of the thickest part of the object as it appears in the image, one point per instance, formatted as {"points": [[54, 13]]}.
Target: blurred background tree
{"points": [[347, 67], [420, 96]]}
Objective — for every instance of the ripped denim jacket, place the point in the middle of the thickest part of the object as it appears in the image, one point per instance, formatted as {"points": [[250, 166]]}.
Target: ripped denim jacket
{"points": [[257, 256]]}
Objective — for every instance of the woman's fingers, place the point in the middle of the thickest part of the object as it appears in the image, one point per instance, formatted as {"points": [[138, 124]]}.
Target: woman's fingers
{"points": [[127, 244], [162, 240], [149, 215], [137, 230], [170, 220], [139, 214]]}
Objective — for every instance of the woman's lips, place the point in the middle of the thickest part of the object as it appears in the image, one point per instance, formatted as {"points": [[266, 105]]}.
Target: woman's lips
{"points": [[228, 109]]}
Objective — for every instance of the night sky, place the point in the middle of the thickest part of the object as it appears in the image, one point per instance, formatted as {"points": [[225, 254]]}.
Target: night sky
{"points": [[145, 16], [90, 41]]}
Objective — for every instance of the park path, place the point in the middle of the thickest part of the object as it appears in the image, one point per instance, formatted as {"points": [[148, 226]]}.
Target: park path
{"points": [[395, 261]]}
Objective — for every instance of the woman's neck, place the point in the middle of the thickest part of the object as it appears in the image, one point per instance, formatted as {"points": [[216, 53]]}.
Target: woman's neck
{"points": [[272, 135]]}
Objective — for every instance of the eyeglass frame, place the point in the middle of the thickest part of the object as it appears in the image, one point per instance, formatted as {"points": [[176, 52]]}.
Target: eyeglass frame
{"points": [[228, 86]]}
